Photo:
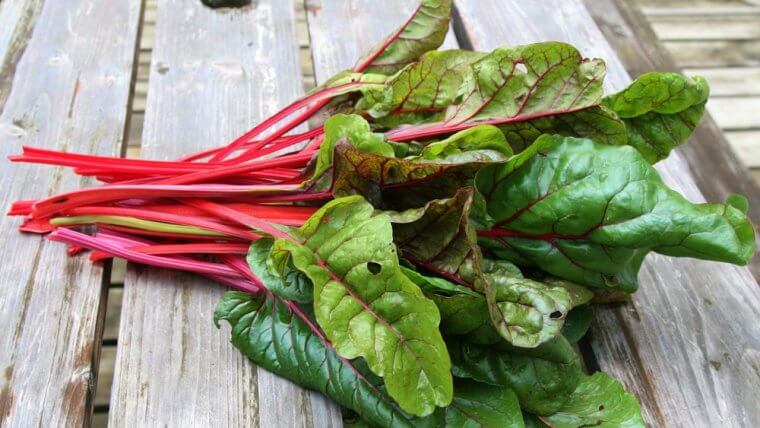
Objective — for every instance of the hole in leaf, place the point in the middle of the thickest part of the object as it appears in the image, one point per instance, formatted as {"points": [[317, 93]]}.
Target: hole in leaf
{"points": [[601, 407], [374, 267], [520, 67], [556, 314]]}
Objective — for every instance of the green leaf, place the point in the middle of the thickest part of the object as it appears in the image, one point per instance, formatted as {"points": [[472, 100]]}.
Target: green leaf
{"points": [[420, 92], [266, 330], [577, 323], [424, 31], [355, 129], [537, 80], [598, 401], [660, 111], [479, 142], [543, 378], [526, 313], [590, 213], [366, 306], [479, 405], [597, 123], [291, 285], [439, 236]]}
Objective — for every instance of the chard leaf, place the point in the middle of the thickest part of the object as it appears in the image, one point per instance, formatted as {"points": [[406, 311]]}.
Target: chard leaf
{"points": [[525, 82], [483, 142], [355, 129], [597, 123], [577, 323], [660, 111], [599, 401], [526, 313], [439, 237], [543, 378], [354, 160], [590, 213], [424, 31], [266, 330], [291, 285], [420, 92], [366, 306], [479, 405]]}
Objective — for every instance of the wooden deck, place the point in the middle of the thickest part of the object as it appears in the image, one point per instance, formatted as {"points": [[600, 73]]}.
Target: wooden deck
{"points": [[717, 39]]}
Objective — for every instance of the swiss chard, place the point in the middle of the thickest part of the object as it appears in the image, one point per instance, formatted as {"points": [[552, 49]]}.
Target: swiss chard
{"points": [[490, 161], [365, 304], [590, 213]]}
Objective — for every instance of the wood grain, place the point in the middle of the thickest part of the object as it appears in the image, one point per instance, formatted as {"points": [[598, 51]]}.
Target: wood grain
{"points": [[688, 345], [716, 53], [720, 27], [735, 113], [730, 80], [213, 74], [66, 71]]}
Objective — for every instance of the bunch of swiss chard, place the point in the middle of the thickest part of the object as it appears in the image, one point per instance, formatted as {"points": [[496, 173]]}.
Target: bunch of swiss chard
{"points": [[428, 255]]}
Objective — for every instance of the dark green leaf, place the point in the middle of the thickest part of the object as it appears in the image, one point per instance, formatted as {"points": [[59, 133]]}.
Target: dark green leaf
{"points": [[577, 323], [543, 378], [366, 306], [590, 213], [599, 401], [660, 111], [266, 330]]}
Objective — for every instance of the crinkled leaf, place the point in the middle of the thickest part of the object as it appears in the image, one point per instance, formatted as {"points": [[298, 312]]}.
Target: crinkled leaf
{"points": [[526, 313], [366, 306], [590, 213], [420, 92], [355, 129], [543, 378], [424, 31], [660, 111], [361, 162], [599, 401], [265, 329], [291, 285], [597, 123], [525, 82], [577, 323], [439, 236]]}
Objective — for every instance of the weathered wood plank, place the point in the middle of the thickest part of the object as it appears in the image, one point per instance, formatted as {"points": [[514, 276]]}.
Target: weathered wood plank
{"points": [[213, 74], [637, 46], [689, 343], [720, 27], [66, 71], [701, 8], [719, 53], [747, 146], [731, 80], [735, 113], [363, 24]]}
